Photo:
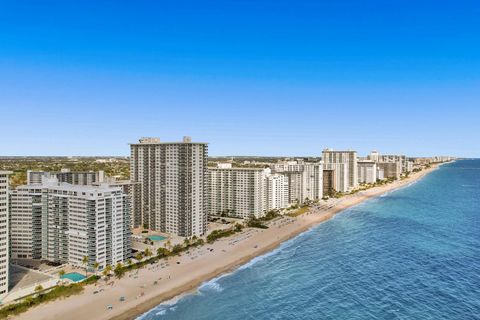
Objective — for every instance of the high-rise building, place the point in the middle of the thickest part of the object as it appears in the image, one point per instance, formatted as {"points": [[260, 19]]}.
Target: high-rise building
{"points": [[62, 223], [237, 192], [395, 158], [367, 171], [172, 177], [390, 169], [305, 179], [341, 174], [132, 189], [276, 192], [374, 156], [329, 186], [330, 156], [4, 233], [65, 175]]}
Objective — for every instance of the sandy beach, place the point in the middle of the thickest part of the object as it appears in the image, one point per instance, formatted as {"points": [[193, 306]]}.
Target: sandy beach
{"points": [[167, 279]]}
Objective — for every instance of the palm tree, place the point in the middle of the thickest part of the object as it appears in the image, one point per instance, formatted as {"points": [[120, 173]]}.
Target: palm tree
{"points": [[107, 270], [119, 271], [85, 262], [168, 244], [38, 288], [147, 253], [139, 256], [96, 265], [186, 242], [61, 273]]}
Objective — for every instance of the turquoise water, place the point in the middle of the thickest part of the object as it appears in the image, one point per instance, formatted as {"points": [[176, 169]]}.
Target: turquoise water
{"points": [[156, 238], [411, 254], [74, 276]]}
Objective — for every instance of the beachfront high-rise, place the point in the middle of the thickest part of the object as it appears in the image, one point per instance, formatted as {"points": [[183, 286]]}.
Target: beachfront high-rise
{"points": [[4, 233], [349, 158], [277, 191], [340, 175], [62, 223], [367, 171], [329, 185], [237, 192], [305, 179], [173, 181]]}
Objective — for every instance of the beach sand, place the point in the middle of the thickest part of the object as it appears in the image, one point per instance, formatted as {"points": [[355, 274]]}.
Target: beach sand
{"points": [[194, 268]]}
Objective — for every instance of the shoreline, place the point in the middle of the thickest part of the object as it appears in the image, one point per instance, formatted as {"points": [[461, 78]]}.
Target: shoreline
{"points": [[186, 273]]}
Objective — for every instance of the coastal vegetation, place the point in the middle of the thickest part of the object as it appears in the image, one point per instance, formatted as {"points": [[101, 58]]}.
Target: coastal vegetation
{"points": [[299, 211], [42, 296], [217, 234]]}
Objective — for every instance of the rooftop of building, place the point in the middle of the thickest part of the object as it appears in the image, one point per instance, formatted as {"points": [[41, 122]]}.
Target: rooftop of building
{"points": [[156, 141], [54, 184]]}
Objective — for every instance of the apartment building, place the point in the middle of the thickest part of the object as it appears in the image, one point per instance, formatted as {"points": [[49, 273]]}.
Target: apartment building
{"points": [[329, 185], [4, 233], [62, 223], [390, 169], [395, 158], [277, 192], [349, 158], [172, 177], [341, 176], [65, 175], [367, 171], [238, 192], [305, 179]]}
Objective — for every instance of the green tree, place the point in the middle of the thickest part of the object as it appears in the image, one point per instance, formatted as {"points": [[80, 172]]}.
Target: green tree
{"points": [[162, 252], [96, 266], [177, 249], [119, 270], [107, 270], [147, 253], [85, 263], [139, 256]]}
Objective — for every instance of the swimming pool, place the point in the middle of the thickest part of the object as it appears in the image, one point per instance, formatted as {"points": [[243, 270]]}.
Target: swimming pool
{"points": [[74, 276], [157, 238]]}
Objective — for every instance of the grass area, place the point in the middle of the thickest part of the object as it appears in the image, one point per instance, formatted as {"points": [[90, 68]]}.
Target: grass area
{"points": [[299, 211], [217, 234], [56, 293]]}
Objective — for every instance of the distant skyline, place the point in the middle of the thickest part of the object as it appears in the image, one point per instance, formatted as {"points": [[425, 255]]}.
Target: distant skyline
{"points": [[267, 78]]}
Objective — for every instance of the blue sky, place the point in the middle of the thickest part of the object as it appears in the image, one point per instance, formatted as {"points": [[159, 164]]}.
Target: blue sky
{"points": [[249, 77]]}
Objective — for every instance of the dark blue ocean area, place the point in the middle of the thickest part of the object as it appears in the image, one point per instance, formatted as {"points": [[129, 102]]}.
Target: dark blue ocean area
{"points": [[413, 253]]}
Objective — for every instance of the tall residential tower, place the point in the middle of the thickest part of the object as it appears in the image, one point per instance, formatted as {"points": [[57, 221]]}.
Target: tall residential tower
{"points": [[172, 177], [349, 158], [4, 236]]}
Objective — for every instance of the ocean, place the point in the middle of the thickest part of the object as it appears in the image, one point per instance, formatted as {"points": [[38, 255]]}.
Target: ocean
{"points": [[413, 253]]}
